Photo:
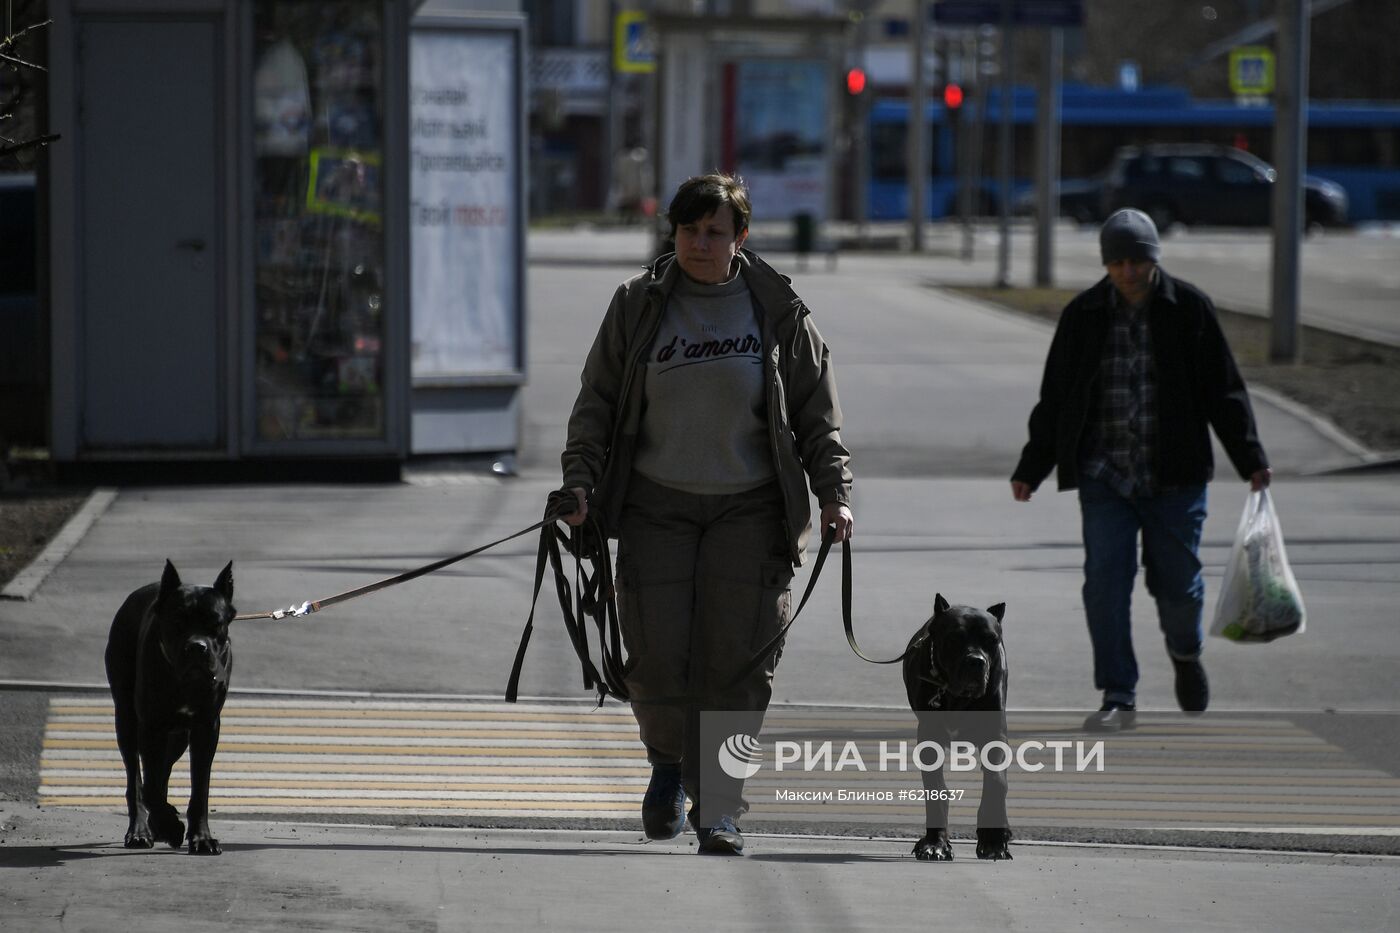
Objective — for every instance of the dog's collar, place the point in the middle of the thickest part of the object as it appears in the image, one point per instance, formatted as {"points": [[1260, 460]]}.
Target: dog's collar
{"points": [[936, 681], [932, 676]]}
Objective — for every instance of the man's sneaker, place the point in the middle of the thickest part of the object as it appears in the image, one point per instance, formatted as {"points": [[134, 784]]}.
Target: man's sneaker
{"points": [[663, 807], [1192, 689], [1112, 717], [723, 838]]}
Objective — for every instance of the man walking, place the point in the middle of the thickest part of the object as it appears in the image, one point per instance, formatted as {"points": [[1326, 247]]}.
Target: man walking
{"points": [[1137, 374]]}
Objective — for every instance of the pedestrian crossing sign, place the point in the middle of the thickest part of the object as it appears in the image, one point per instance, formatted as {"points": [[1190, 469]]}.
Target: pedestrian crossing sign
{"points": [[634, 49], [1251, 70]]}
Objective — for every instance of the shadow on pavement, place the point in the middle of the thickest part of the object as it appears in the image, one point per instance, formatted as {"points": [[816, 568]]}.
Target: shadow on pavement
{"points": [[52, 856]]}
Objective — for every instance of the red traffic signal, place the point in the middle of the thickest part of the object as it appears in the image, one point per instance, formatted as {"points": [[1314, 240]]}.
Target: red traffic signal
{"points": [[855, 81], [952, 96]]}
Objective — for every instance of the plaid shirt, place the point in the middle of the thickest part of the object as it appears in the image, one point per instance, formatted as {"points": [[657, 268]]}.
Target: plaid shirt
{"points": [[1123, 430]]}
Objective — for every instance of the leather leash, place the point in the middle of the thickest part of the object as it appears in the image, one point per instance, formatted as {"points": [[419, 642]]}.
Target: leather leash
{"points": [[591, 597], [595, 597], [307, 608], [828, 536]]}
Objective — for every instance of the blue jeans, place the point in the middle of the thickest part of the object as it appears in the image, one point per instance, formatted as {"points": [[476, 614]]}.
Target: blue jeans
{"points": [[1170, 525]]}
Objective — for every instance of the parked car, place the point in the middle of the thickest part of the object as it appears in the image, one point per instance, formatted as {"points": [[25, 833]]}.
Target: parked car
{"points": [[1081, 199], [1211, 185]]}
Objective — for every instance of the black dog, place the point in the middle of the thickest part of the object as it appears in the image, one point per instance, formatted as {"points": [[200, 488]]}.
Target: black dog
{"points": [[955, 675], [168, 663]]}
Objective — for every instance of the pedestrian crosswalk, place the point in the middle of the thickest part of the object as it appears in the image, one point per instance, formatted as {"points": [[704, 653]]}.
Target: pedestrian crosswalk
{"points": [[559, 761], [367, 756]]}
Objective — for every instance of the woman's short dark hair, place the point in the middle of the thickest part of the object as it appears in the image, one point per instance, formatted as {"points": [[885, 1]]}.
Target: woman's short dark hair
{"points": [[704, 194]]}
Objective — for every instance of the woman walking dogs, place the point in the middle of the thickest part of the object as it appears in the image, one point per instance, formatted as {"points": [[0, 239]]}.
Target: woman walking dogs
{"points": [[707, 409]]}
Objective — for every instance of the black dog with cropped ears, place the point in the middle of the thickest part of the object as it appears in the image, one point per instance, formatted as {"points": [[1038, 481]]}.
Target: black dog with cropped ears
{"points": [[955, 675], [169, 663]]}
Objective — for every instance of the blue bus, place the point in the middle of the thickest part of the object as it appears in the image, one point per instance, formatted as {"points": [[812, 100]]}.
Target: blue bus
{"points": [[1353, 143]]}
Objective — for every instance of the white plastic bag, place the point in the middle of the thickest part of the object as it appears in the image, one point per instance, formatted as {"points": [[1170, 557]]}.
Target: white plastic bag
{"points": [[1259, 597]]}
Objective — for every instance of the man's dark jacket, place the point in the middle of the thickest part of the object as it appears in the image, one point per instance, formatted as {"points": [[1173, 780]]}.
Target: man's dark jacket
{"points": [[1198, 387]]}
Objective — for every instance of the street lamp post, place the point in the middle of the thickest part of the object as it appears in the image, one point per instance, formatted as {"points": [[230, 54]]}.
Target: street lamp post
{"points": [[918, 129], [1290, 157]]}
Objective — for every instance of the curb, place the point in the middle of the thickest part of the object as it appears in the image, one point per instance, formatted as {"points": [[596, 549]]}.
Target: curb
{"points": [[1318, 422], [1385, 463], [31, 577]]}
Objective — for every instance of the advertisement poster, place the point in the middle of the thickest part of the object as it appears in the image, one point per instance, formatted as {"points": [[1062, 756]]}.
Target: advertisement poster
{"points": [[780, 135], [463, 205]]}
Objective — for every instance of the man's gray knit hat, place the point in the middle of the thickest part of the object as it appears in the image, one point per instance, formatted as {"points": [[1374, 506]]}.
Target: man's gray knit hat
{"points": [[1129, 234]]}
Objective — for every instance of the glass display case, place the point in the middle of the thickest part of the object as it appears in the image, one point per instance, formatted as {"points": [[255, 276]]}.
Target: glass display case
{"points": [[319, 333]]}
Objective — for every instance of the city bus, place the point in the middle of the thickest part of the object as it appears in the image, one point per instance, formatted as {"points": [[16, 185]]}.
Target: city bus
{"points": [[1353, 143]]}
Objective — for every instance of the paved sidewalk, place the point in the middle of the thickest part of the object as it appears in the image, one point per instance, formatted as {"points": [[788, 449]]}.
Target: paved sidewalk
{"points": [[66, 871]]}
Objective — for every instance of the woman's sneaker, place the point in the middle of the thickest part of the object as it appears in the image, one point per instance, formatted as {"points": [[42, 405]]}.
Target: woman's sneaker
{"points": [[723, 838], [1113, 716], [663, 807]]}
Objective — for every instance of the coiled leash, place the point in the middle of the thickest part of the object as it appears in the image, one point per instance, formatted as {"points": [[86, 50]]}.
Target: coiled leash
{"points": [[592, 596]]}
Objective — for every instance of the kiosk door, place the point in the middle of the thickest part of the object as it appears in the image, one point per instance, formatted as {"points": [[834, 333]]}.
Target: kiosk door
{"points": [[150, 305]]}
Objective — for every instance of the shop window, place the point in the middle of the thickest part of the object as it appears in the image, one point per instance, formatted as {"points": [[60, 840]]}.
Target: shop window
{"points": [[318, 213]]}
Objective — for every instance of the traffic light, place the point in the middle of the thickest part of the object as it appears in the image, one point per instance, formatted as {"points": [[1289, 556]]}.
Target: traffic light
{"points": [[855, 81], [952, 96]]}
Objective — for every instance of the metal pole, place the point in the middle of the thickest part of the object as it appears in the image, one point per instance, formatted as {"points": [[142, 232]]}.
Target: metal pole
{"points": [[861, 138], [972, 171], [1047, 139], [1290, 157], [1004, 146], [612, 135], [918, 130], [654, 129], [965, 151]]}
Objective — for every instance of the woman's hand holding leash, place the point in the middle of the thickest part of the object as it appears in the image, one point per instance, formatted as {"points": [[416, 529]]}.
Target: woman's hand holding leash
{"points": [[577, 517], [834, 513]]}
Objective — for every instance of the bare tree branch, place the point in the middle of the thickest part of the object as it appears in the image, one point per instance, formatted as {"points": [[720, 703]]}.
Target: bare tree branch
{"points": [[12, 39], [11, 43], [10, 146], [21, 62]]}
